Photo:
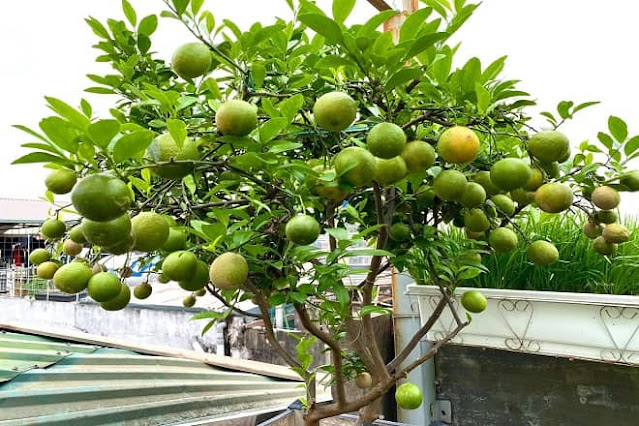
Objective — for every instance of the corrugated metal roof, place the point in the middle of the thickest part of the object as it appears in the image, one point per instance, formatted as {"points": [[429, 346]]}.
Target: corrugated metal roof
{"points": [[23, 211], [57, 382]]}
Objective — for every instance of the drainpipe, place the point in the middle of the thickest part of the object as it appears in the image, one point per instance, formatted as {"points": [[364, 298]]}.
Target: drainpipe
{"points": [[405, 324], [220, 342]]}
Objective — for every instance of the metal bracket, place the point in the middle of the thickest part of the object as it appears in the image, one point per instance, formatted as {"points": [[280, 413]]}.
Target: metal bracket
{"points": [[441, 410]]}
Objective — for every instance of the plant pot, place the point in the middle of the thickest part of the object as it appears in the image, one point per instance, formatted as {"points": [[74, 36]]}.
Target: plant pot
{"points": [[582, 325]]}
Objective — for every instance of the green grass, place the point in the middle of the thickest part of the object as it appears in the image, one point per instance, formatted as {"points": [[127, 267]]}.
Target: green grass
{"points": [[579, 270]]}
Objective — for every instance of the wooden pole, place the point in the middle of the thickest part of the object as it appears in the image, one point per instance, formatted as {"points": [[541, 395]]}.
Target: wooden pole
{"points": [[395, 23]]}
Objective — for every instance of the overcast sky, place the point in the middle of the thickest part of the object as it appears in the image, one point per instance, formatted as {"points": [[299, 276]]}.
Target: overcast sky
{"points": [[574, 50]]}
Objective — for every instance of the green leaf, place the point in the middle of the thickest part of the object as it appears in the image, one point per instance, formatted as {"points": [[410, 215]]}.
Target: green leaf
{"points": [[493, 70], [180, 5], [373, 309], [368, 252], [333, 61], [209, 20], [103, 131], [148, 25], [132, 145], [483, 98], [342, 9], [424, 43], [338, 233], [284, 146], [631, 146], [584, 105], [402, 76], [258, 72], [31, 132], [374, 23], [323, 26], [618, 128], [129, 12], [272, 128], [211, 85], [277, 299], [98, 28], [61, 133], [144, 43], [177, 129], [208, 231], [196, 5], [413, 23], [74, 116], [40, 157], [290, 107], [605, 139], [563, 108]]}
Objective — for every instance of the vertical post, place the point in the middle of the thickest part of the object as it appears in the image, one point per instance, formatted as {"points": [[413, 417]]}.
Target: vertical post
{"points": [[395, 23]]}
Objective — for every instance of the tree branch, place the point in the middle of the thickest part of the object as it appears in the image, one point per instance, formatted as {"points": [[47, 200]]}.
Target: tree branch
{"points": [[230, 306], [396, 362], [332, 343], [380, 5]]}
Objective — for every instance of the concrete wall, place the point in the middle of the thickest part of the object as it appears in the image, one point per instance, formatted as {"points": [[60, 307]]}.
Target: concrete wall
{"points": [[165, 326]]}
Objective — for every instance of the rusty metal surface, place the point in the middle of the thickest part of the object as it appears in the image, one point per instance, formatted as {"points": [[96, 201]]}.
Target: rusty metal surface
{"points": [[60, 383]]}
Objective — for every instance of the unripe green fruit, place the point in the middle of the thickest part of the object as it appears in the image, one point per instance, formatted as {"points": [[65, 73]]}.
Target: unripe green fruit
{"points": [[46, 270], [510, 173], [53, 229], [179, 265], [449, 185], [503, 240], [356, 166], [335, 111], [104, 286], [549, 146], [601, 246], [390, 171], [189, 301], [399, 232], [191, 60], [38, 256], [302, 230], [61, 181], [386, 140], [474, 195], [120, 301], [542, 253], [605, 197], [229, 271], [72, 277], [101, 197], [475, 220], [419, 156], [473, 301], [236, 118], [142, 291], [199, 279], [76, 234]]}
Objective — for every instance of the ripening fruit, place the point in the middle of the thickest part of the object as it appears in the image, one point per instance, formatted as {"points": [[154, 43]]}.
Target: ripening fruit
{"points": [[408, 396], [107, 233], [551, 169], [503, 239], [425, 195], [101, 197], [474, 195], [601, 246], [189, 301], [236, 118], [386, 140], [72, 277], [473, 301], [356, 166], [483, 178], [522, 197], [142, 291], [363, 380], [535, 181], [175, 241], [542, 253], [76, 234], [53, 229], [97, 268], [165, 149], [419, 156], [61, 181], [335, 111], [504, 204], [201, 292], [179, 265], [605, 197], [615, 233], [120, 301], [302, 230], [591, 230], [71, 248], [475, 220], [38, 256], [199, 279], [46, 270], [554, 197], [399, 232], [510, 173], [328, 189], [389, 171], [229, 271], [104, 286], [549, 146], [631, 180], [191, 60], [449, 185], [606, 216], [458, 145], [151, 231], [122, 247]]}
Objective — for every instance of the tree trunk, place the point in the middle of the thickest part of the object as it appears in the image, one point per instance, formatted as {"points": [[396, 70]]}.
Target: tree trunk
{"points": [[369, 413]]}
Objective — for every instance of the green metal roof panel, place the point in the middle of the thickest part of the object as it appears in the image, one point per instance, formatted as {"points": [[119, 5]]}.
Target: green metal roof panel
{"points": [[22, 352], [88, 385]]}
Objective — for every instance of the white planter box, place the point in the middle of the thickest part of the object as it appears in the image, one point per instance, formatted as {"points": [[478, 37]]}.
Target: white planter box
{"points": [[576, 325]]}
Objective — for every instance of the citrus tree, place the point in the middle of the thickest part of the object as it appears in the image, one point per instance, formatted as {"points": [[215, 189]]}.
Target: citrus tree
{"points": [[222, 167]]}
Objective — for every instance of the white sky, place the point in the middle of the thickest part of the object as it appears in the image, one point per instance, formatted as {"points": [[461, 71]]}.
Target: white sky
{"points": [[574, 50]]}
